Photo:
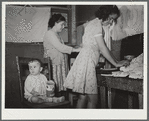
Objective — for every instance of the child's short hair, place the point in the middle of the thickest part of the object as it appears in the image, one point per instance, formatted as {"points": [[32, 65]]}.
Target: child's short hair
{"points": [[36, 60]]}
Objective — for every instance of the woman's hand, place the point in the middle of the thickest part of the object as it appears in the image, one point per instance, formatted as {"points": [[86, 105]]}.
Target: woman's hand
{"points": [[76, 49], [122, 63]]}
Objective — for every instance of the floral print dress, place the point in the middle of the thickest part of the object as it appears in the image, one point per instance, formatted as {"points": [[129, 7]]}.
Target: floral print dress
{"points": [[82, 76]]}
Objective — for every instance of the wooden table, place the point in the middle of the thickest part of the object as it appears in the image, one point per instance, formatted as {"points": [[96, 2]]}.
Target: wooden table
{"points": [[121, 83]]}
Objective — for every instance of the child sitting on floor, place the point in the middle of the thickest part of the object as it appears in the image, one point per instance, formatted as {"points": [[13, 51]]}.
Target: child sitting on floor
{"points": [[35, 85]]}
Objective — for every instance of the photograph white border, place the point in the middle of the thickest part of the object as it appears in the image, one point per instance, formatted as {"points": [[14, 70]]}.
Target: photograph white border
{"points": [[49, 114]]}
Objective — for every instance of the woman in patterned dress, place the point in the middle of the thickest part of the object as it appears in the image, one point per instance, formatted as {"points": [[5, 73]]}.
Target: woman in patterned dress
{"points": [[82, 76], [55, 48]]}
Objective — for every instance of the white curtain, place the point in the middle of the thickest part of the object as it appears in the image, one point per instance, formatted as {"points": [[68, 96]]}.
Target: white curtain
{"points": [[130, 22], [26, 24]]}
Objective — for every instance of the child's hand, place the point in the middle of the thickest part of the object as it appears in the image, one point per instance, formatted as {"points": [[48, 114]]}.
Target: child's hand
{"points": [[34, 93]]}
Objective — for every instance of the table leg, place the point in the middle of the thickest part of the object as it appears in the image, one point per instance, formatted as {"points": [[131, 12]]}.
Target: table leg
{"points": [[71, 98], [140, 96], [109, 98], [130, 101], [103, 96], [113, 95]]}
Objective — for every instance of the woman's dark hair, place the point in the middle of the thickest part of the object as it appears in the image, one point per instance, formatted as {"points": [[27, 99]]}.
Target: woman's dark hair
{"points": [[105, 10], [55, 18]]}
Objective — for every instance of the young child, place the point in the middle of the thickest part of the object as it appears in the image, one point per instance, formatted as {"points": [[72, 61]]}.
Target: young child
{"points": [[35, 85]]}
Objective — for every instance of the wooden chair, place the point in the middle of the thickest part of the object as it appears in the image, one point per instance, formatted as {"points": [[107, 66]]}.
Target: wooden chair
{"points": [[22, 66]]}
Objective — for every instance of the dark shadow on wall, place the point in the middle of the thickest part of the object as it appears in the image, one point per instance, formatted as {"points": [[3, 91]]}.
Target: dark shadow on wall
{"points": [[132, 45]]}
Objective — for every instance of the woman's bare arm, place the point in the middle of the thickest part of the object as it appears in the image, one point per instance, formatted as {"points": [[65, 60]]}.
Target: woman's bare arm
{"points": [[107, 53]]}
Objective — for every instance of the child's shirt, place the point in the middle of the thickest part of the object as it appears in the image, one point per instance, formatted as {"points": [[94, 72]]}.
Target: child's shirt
{"points": [[38, 83]]}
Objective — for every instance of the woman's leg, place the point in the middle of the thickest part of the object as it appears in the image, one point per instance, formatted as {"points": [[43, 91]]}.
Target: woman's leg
{"points": [[82, 101], [92, 101]]}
